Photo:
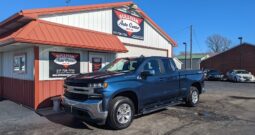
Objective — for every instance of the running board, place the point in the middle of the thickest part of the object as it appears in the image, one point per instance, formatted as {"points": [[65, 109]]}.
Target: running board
{"points": [[156, 108]]}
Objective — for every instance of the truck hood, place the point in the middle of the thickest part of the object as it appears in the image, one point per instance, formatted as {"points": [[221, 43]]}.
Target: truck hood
{"points": [[96, 75]]}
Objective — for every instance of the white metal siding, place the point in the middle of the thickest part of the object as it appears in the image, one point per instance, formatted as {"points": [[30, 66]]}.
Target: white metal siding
{"points": [[84, 60], [101, 20], [170, 51], [98, 20], [138, 51], [151, 39], [7, 64], [178, 63]]}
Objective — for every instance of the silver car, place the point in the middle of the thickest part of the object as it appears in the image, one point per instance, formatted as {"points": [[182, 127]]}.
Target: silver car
{"points": [[240, 75]]}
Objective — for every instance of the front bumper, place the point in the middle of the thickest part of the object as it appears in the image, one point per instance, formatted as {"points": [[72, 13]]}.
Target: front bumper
{"points": [[245, 80], [89, 109]]}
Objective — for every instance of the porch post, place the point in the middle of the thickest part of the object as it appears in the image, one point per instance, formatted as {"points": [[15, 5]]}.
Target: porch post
{"points": [[36, 77]]}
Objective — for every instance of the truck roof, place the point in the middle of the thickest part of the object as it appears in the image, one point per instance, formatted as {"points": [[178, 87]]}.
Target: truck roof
{"points": [[146, 57]]}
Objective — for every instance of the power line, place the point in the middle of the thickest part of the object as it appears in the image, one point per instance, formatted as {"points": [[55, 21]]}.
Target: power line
{"points": [[196, 40], [181, 30]]}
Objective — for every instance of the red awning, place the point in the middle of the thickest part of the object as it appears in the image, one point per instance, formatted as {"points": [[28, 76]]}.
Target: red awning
{"points": [[48, 33]]}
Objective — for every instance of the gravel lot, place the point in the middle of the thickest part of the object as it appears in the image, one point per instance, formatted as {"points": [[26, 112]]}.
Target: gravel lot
{"points": [[226, 108]]}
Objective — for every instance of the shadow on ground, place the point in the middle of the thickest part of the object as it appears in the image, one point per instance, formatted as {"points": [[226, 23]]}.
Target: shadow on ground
{"points": [[70, 121], [241, 97], [67, 120]]}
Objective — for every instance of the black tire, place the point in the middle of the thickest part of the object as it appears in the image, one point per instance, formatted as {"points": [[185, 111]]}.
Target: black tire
{"points": [[189, 100], [114, 105]]}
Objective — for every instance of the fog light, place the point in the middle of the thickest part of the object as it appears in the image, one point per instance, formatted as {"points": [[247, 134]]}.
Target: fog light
{"points": [[105, 84]]}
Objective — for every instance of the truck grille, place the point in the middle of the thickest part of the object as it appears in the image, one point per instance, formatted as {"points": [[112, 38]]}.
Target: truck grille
{"points": [[74, 96], [77, 84]]}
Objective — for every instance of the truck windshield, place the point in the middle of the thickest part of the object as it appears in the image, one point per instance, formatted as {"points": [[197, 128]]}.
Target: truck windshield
{"points": [[123, 65]]}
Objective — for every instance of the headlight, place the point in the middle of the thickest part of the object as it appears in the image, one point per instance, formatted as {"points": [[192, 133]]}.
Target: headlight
{"points": [[98, 85]]}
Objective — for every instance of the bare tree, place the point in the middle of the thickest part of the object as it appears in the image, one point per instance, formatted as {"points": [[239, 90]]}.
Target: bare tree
{"points": [[217, 43]]}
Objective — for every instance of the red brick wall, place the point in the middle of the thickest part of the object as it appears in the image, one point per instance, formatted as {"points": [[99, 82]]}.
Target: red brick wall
{"points": [[241, 57]]}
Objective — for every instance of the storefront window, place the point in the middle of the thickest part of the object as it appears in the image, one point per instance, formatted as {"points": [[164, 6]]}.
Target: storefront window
{"points": [[19, 63]]}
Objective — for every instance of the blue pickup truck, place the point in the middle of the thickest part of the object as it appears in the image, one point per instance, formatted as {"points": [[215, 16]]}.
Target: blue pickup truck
{"points": [[129, 87]]}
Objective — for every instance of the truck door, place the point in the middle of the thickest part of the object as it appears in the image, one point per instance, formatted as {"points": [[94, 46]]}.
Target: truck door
{"points": [[153, 86], [171, 79]]}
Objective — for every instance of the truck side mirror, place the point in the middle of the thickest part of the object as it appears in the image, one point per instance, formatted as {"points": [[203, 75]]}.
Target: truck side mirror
{"points": [[147, 73]]}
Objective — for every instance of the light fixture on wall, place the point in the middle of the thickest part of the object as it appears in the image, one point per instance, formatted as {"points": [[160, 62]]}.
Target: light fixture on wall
{"points": [[133, 6], [133, 9]]}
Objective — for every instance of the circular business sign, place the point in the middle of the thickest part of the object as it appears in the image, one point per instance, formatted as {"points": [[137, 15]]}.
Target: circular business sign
{"points": [[128, 25]]}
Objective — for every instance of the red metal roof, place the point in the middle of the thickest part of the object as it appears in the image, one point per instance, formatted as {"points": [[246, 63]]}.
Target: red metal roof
{"points": [[47, 33], [34, 13], [45, 11]]}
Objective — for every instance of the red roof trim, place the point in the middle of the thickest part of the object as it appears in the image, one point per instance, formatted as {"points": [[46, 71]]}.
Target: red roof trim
{"points": [[43, 11], [11, 18]]}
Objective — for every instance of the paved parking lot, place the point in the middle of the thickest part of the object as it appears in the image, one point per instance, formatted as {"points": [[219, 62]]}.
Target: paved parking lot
{"points": [[226, 108]]}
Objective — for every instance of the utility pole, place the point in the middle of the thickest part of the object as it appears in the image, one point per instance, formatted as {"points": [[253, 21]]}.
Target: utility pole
{"points": [[240, 51], [185, 44], [190, 46], [241, 40]]}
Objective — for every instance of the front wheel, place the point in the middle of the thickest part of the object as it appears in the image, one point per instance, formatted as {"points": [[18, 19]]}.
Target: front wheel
{"points": [[121, 112], [193, 97]]}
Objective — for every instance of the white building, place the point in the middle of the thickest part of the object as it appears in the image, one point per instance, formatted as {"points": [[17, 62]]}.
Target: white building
{"points": [[178, 63]]}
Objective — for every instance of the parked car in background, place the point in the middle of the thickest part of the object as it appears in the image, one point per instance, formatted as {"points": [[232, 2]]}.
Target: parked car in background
{"points": [[128, 87], [240, 75], [214, 75]]}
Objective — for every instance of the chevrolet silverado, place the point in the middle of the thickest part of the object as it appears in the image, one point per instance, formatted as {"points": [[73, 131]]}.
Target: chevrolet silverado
{"points": [[129, 87]]}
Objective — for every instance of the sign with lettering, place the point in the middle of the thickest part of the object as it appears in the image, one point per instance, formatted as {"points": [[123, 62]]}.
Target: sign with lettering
{"points": [[127, 25], [63, 64]]}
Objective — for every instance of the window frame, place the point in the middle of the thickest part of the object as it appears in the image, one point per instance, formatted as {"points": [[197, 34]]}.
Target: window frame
{"points": [[18, 55]]}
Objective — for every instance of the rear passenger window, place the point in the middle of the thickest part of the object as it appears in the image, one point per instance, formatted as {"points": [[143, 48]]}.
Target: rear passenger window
{"points": [[168, 65], [152, 65]]}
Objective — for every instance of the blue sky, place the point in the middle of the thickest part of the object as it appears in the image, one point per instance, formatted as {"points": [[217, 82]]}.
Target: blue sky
{"points": [[230, 18]]}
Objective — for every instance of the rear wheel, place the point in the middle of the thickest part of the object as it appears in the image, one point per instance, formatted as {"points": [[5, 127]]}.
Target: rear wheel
{"points": [[193, 97], [121, 112]]}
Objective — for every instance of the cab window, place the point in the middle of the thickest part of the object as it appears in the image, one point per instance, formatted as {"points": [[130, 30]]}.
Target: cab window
{"points": [[153, 65], [168, 65]]}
